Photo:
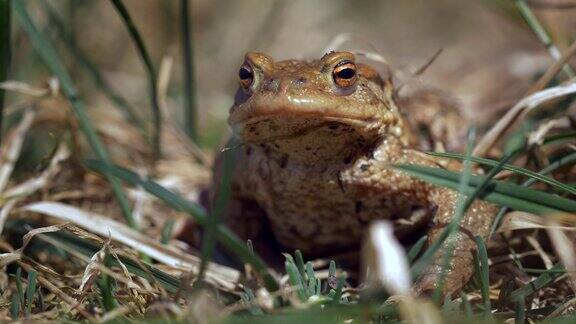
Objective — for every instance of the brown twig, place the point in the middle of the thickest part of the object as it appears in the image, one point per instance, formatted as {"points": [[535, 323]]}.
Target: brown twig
{"points": [[430, 61]]}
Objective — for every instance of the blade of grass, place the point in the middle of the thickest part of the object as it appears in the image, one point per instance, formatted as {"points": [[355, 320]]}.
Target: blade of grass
{"points": [[458, 214], [4, 51], [509, 167], [520, 311], [152, 77], [299, 262], [167, 231], [498, 192], [296, 280], [556, 138], [544, 279], [15, 307], [188, 58], [106, 286], [310, 271], [482, 256], [565, 160], [50, 57], [219, 209], [30, 291], [332, 268], [224, 235], [542, 35], [120, 102], [19, 289]]}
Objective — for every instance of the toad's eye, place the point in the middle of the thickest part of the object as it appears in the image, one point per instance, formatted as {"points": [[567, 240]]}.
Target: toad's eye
{"points": [[246, 76], [344, 74]]}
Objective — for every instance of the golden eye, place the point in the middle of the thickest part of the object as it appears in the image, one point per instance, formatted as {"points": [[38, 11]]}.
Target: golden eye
{"points": [[246, 76], [344, 74]]}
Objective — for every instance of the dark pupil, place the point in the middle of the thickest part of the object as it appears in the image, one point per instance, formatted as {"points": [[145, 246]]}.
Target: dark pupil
{"points": [[346, 73], [244, 73]]}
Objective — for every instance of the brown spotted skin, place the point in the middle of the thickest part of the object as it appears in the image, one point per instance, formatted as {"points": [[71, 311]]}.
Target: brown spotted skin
{"points": [[316, 161]]}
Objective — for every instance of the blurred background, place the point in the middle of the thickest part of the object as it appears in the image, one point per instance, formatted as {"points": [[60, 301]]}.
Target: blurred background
{"points": [[490, 56]]}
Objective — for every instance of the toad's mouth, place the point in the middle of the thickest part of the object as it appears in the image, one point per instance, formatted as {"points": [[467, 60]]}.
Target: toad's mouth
{"points": [[274, 127], [311, 140]]}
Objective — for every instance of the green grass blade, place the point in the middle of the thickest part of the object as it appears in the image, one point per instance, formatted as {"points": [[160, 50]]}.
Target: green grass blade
{"points": [[558, 138], [50, 57], [509, 167], [520, 311], [107, 287], [565, 160], [152, 77], [311, 289], [167, 229], [542, 35], [461, 207], [498, 192], [299, 259], [482, 256], [118, 100], [224, 235], [310, 271], [332, 269], [187, 57], [312, 280], [19, 288], [30, 291], [219, 209], [15, 307], [296, 280], [5, 50], [544, 279]]}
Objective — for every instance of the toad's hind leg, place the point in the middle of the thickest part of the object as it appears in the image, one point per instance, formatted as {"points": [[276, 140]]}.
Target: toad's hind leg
{"points": [[435, 119]]}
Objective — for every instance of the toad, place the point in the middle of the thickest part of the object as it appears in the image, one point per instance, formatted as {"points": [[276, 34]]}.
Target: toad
{"points": [[319, 141]]}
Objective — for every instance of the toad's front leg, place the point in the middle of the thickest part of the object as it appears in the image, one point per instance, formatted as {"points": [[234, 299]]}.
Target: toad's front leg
{"points": [[475, 222], [460, 266]]}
